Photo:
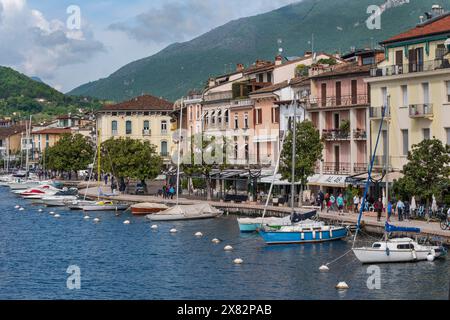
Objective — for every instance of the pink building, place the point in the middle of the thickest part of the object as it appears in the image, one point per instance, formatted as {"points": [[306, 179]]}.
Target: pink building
{"points": [[338, 107]]}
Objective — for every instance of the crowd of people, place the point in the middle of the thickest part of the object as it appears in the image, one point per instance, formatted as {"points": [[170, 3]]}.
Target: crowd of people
{"points": [[167, 191]]}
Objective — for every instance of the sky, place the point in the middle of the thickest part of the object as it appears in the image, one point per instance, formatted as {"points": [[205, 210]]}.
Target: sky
{"points": [[49, 40]]}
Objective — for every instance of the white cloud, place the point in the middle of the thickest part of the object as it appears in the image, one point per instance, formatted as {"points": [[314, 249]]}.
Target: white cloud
{"points": [[37, 46]]}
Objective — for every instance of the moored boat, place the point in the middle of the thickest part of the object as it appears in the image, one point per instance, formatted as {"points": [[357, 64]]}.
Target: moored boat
{"points": [[247, 225], [186, 212], [143, 209], [105, 206], [398, 249], [304, 233]]}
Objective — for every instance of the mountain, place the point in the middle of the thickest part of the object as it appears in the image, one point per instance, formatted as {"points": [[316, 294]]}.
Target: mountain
{"points": [[36, 79], [21, 96], [337, 25]]}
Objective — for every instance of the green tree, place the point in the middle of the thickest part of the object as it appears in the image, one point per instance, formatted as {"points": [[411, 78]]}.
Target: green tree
{"points": [[70, 154], [427, 172], [204, 155], [130, 158], [309, 147]]}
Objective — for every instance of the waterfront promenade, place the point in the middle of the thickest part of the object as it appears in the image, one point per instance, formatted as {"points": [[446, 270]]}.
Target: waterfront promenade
{"points": [[369, 220]]}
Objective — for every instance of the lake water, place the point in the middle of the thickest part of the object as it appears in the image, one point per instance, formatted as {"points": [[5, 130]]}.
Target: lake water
{"points": [[120, 261]]}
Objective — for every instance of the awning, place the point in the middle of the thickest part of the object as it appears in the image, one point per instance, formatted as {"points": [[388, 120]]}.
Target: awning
{"points": [[325, 180], [265, 138], [277, 182]]}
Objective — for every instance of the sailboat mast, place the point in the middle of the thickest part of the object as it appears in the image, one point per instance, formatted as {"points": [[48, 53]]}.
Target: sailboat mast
{"points": [[179, 150], [294, 147], [388, 110], [28, 131]]}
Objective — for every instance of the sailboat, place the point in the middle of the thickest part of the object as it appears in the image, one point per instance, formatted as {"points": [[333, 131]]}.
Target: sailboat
{"points": [[301, 230], [391, 249]]}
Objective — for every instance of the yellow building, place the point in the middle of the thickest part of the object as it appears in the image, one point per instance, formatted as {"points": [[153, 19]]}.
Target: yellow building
{"points": [[414, 80], [143, 118], [10, 141], [41, 139]]}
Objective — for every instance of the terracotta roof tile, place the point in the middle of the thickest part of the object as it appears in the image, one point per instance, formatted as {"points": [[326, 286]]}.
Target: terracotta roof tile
{"points": [[434, 26], [53, 131], [9, 131], [144, 103], [344, 69], [271, 88]]}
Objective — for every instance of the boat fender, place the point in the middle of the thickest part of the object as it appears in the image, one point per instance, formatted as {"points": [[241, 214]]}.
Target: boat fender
{"points": [[414, 254], [388, 252], [430, 257], [320, 235], [314, 235], [331, 233], [303, 236]]}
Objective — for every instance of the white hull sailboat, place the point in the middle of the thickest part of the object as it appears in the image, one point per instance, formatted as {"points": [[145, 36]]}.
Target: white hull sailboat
{"points": [[186, 212]]}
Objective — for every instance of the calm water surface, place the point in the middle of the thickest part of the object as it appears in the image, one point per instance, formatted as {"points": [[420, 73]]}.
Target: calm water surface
{"points": [[120, 261]]}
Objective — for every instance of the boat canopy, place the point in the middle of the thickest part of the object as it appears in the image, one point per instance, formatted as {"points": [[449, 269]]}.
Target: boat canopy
{"points": [[298, 217], [391, 228]]}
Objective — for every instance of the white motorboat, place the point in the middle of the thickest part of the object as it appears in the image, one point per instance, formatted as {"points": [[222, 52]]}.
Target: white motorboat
{"points": [[105, 206], [186, 212], [79, 204], [61, 198], [24, 185], [398, 249], [39, 192]]}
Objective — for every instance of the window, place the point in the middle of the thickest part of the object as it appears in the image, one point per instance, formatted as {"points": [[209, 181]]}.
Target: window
{"points": [[384, 96], [447, 130], [164, 128], [114, 128], [426, 92], [146, 127], [227, 117], [269, 77], [236, 121], [405, 96], [276, 115], [213, 117], [368, 61], [198, 112], [448, 90], [408, 246], [440, 51], [219, 117], [337, 121], [236, 151], [405, 139], [426, 134], [128, 127], [258, 116], [164, 151], [190, 113], [246, 121], [260, 77]]}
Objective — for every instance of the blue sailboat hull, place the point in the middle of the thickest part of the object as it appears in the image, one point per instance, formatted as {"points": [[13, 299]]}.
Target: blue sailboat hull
{"points": [[280, 237]]}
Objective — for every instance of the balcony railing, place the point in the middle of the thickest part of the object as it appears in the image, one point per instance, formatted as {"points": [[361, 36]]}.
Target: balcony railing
{"points": [[421, 110], [146, 132], [336, 168], [360, 167], [377, 112], [218, 96], [343, 101], [114, 132], [394, 70], [242, 103], [336, 134], [164, 154], [359, 134]]}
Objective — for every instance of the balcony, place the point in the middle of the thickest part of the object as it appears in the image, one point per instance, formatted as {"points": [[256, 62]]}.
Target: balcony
{"points": [[336, 168], [377, 112], [242, 103], [395, 70], [335, 135], [219, 96], [337, 102], [164, 132], [360, 134], [146, 132], [360, 167], [421, 110], [164, 154]]}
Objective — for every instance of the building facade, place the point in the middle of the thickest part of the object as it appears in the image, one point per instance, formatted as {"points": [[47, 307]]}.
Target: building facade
{"points": [[414, 81], [144, 118]]}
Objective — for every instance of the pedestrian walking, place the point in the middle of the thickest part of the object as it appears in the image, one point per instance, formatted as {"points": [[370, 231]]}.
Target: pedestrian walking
{"points": [[356, 202], [400, 208], [171, 192], [389, 211], [340, 204], [106, 179], [332, 203], [378, 206], [321, 199]]}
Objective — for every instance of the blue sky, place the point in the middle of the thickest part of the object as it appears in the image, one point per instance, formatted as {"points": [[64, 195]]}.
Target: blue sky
{"points": [[34, 38]]}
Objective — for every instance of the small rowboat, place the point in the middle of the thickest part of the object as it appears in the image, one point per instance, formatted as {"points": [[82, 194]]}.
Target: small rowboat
{"points": [[105, 206], [143, 209]]}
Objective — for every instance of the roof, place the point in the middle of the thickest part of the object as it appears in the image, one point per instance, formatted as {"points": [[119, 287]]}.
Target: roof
{"points": [[53, 131], [271, 88], [144, 103], [300, 81], [435, 26], [306, 57], [260, 66], [9, 131], [344, 69]]}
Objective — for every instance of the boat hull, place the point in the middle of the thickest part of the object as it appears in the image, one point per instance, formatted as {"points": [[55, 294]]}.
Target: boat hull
{"points": [[105, 208], [145, 211], [181, 217], [369, 255], [280, 237]]}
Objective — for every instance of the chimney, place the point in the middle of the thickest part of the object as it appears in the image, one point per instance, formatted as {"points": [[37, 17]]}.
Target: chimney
{"points": [[239, 67], [421, 19], [278, 60], [437, 10]]}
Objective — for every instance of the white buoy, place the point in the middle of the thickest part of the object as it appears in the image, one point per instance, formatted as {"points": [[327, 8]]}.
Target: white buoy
{"points": [[216, 241], [86, 217], [17, 207], [324, 268], [57, 216], [228, 248], [40, 210], [126, 222], [154, 227], [199, 234], [430, 258], [342, 286], [52, 213], [96, 220], [238, 261], [21, 209], [173, 230]]}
